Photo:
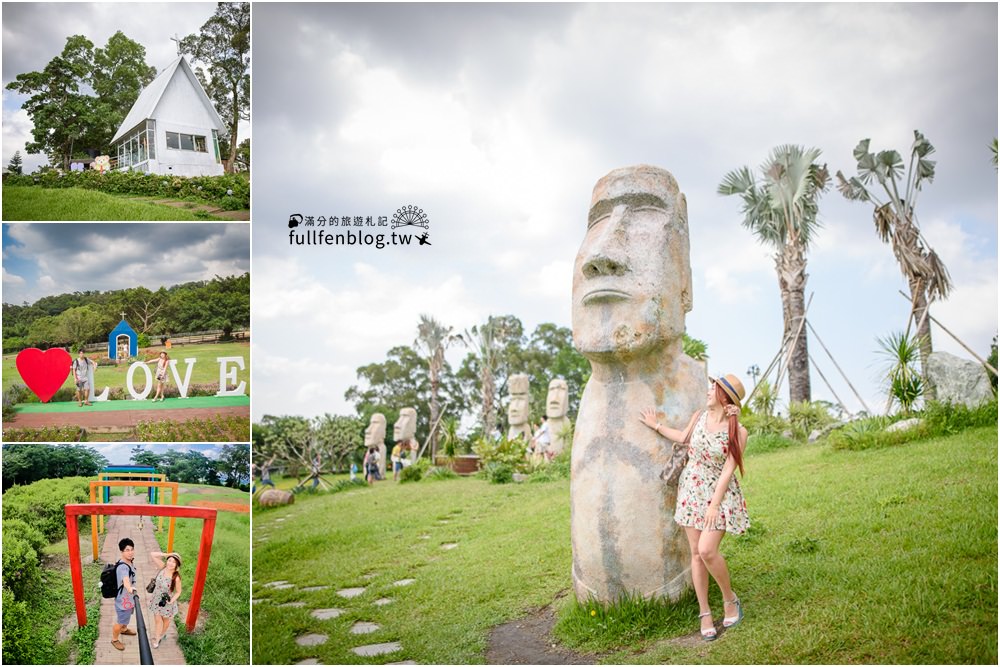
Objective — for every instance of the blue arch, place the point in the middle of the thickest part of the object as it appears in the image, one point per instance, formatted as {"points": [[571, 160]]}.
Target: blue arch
{"points": [[133, 340]]}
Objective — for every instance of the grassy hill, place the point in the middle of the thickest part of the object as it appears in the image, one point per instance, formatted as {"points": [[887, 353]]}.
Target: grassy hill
{"points": [[879, 556], [37, 203]]}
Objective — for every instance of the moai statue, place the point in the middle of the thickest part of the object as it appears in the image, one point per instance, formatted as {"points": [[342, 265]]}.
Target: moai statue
{"points": [[556, 407], [631, 290], [519, 410], [404, 430], [375, 436]]}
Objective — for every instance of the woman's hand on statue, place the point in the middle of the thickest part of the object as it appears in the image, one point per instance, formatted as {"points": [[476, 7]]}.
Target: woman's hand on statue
{"points": [[649, 418]]}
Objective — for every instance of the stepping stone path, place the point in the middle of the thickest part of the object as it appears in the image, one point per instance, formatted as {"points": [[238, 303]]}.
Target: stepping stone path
{"points": [[381, 602], [293, 604], [279, 585], [310, 589], [311, 639], [257, 600], [404, 662], [364, 628], [403, 582], [372, 575], [446, 547], [377, 649], [425, 537], [309, 661], [350, 592], [325, 614]]}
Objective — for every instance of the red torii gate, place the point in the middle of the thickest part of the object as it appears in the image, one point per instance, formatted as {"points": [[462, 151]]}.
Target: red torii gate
{"points": [[89, 509]]}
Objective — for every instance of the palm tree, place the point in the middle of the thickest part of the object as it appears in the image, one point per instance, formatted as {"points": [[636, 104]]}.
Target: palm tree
{"points": [[896, 223], [782, 211], [486, 342], [432, 339]]}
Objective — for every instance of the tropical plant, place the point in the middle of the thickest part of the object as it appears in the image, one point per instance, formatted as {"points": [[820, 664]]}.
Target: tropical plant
{"points": [[902, 379], [896, 223], [433, 338], [449, 436], [765, 398], [781, 210], [486, 342], [695, 348]]}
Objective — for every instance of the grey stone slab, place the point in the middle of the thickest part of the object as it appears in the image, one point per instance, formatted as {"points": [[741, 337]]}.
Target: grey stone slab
{"points": [[377, 649], [278, 584], [381, 602], [403, 582], [293, 604], [310, 589], [350, 592], [325, 614], [312, 639], [364, 628], [449, 546], [309, 661], [404, 662], [257, 601]]}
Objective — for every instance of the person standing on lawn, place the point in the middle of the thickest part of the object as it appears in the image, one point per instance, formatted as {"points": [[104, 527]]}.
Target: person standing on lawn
{"points": [[81, 377], [709, 498]]}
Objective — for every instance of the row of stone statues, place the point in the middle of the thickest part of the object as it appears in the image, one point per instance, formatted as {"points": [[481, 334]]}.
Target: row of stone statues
{"points": [[403, 432]]}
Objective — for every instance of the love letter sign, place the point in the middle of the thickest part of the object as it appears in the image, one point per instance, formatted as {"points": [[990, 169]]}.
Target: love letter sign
{"points": [[44, 372]]}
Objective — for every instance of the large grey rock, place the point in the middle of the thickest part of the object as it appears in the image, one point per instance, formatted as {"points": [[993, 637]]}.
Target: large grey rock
{"points": [[959, 380], [631, 290], [904, 425]]}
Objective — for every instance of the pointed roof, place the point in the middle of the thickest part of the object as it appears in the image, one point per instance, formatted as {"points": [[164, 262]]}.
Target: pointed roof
{"points": [[150, 96]]}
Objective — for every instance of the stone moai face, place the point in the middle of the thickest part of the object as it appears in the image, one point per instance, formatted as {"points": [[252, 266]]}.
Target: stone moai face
{"points": [[406, 425], [557, 401], [632, 276], [517, 411], [375, 433]]}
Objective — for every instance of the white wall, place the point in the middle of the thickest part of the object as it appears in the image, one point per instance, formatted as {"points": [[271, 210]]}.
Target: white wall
{"points": [[181, 110]]}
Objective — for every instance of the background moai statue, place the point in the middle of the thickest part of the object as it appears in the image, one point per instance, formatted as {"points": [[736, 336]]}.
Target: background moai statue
{"points": [[519, 409], [631, 289], [556, 407], [404, 430], [375, 436]]}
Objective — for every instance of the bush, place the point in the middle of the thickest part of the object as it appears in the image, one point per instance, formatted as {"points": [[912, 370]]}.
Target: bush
{"points": [[759, 443], [413, 473], [870, 433], [499, 473], [19, 647], [556, 469], [440, 472], [44, 434], [805, 417], [41, 504], [758, 423], [21, 573], [948, 418], [25, 531], [509, 452], [213, 429]]}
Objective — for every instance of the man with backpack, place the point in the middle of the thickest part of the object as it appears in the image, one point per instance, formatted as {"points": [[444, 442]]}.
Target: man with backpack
{"points": [[81, 378], [124, 604]]}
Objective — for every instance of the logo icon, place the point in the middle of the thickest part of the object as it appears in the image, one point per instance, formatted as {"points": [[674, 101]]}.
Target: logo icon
{"points": [[294, 220], [410, 216]]}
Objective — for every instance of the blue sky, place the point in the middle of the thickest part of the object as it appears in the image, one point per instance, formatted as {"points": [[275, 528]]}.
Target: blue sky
{"points": [[497, 120], [121, 454]]}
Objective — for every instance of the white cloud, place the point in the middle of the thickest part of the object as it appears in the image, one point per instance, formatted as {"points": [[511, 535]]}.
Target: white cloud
{"points": [[11, 279]]}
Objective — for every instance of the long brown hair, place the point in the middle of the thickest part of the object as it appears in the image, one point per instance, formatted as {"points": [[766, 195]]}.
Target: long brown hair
{"points": [[176, 575], [734, 427]]}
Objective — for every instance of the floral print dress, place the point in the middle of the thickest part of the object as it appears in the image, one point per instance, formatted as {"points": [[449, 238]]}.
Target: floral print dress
{"points": [[706, 457], [162, 586]]}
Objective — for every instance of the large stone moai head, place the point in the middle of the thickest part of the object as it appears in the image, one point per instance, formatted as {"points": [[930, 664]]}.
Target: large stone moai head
{"points": [[519, 408], [631, 290], [375, 432], [632, 277], [406, 426], [557, 400]]}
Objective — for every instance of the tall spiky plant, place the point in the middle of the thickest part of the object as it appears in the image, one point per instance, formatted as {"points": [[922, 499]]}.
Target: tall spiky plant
{"points": [[896, 223], [903, 383], [781, 210], [433, 338], [486, 341]]}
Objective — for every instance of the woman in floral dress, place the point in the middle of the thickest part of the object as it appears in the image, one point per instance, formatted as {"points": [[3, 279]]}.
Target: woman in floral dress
{"points": [[709, 498], [163, 599]]}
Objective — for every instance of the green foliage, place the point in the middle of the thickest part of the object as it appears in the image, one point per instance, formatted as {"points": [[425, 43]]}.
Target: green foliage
{"points": [[992, 359], [348, 484], [556, 469], [695, 348], [497, 472], [760, 423], [441, 473], [946, 418], [805, 417], [595, 626], [24, 464], [509, 452], [218, 428], [765, 398], [760, 443], [26, 532], [21, 573], [44, 434], [15, 164], [415, 472], [142, 340], [902, 373], [870, 433], [18, 645], [41, 504]]}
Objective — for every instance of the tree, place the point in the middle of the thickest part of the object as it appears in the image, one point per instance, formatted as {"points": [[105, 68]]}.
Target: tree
{"points": [[14, 166], [896, 223], [782, 212], [118, 75], [338, 438], [62, 116], [487, 342], [24, 464], [432, 340], [83, 324], [548, 354], [234, 463], [143, 308], [223, 43]]}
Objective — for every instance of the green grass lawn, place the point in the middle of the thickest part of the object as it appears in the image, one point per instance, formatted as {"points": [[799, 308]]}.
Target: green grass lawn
{"points": [[37, 203], [878, 556], [205, 370]]}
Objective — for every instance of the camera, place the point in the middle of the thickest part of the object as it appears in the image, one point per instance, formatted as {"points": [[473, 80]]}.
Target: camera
{"points": [[164, 599]]}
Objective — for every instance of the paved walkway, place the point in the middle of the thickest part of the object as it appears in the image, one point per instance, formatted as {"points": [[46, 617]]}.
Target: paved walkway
{"points": [[118, 527]]}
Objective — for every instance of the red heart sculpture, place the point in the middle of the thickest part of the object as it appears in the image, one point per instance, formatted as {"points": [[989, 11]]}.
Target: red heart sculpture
{"points": [[44, 372]]}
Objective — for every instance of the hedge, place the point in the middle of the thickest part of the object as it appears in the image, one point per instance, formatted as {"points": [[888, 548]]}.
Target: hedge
{"points": [[41, 504], [230, 192]]}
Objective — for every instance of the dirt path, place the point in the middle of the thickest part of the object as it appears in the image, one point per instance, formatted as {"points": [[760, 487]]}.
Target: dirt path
{"points": [[169, 652], [529, 641], [121, 419]]}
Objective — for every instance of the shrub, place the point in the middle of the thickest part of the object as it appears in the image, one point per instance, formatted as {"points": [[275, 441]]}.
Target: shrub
{"points": [[25, 531], [44, 434], [510, 452], [41, 504], [499, 473], [759, 443], [556, 469], [415, 472], [948, 418], [19, 647], [347, 484], [21, 573], [440, 472], [219, 428], [870, 433], [758, 423], [805, 417]]}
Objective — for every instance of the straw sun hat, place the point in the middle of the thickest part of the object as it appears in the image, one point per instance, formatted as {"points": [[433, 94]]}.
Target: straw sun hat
{"points": [[733, 387]]}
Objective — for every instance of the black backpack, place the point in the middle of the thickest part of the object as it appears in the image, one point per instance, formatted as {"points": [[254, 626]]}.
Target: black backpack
{"points": [[109, 580]]}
